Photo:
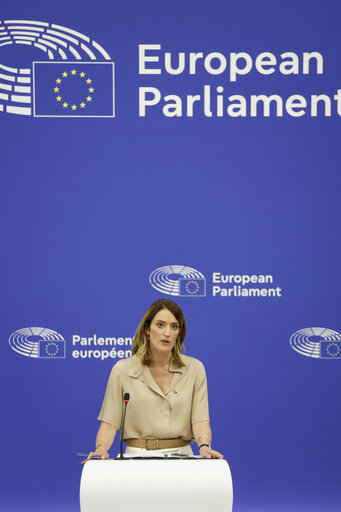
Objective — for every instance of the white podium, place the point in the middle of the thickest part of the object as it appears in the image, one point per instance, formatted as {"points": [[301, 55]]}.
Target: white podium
{"points": [[135, 485]]}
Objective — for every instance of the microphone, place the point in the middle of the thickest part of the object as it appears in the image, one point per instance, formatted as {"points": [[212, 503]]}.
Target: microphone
{"points": [[126, 400]]}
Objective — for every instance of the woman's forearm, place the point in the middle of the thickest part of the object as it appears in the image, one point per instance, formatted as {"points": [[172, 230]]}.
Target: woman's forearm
{"points": [[104, 439], [202, 432], [203, 436], [105, 435]]}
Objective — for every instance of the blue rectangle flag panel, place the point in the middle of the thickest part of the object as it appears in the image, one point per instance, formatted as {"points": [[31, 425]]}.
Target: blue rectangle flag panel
{"points": [[190, 287], [51, 349], [73, 89], [330, 350]]}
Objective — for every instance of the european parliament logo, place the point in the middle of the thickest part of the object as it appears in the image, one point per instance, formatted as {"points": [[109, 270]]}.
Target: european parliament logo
{"points": [[317, 342], [38, 342], [75, 80], [179, 281]]}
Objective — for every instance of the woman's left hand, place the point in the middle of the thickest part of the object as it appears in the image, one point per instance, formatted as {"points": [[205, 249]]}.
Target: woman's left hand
{"points": [[208, 453]]}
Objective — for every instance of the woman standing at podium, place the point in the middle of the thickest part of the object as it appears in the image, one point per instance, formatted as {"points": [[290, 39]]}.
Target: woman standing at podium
{"points": [[168, 406]]}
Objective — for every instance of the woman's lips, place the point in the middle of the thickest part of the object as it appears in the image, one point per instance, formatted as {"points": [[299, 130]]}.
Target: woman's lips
{"points": [[165, 341]]}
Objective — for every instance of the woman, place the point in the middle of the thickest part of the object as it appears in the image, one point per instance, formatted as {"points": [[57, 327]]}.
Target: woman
{"points": [[168, 404]]}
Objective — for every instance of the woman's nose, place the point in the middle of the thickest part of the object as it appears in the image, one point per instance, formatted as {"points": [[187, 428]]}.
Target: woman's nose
{"points": [[167, 330]]}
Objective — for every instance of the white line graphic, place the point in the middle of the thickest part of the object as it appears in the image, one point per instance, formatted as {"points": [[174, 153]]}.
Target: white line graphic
{"points": [[58, 41], [101, 50], [75, 53], [22, 88], [62, 54], [23, 111], [28, 22], [68, 38], [20, 99]]}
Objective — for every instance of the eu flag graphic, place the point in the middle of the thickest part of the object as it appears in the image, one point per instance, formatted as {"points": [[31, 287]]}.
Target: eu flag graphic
{"points": [[330, 349], [73, 89], [192, 287], [52, 349]]}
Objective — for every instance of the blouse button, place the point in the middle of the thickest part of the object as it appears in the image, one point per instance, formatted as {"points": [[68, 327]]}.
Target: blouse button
{"points": [[175, 392]]}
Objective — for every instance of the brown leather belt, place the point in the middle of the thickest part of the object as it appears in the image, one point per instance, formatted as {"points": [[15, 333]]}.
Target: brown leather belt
{"points": [[157, 444]]}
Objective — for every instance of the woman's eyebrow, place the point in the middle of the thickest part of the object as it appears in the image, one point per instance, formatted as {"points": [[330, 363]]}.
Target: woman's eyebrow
{"points": [[171, 323]]}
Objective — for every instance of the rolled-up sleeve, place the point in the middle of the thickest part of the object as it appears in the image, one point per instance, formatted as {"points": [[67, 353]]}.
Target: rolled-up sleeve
{"points": [[200, 398], [111, 411]]}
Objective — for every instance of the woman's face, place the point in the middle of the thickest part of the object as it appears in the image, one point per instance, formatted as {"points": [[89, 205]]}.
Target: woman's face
{"points": [[163, 331]]}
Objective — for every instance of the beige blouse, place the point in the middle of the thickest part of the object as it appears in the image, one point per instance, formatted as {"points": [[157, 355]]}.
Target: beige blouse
{"points": [[150, 412]]}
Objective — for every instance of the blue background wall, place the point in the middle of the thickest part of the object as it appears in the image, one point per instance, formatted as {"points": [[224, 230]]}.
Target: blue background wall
{"points": [[90, 207]]}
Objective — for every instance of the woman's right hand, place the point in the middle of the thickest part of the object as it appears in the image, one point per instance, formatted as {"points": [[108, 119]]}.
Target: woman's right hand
{"points": [[105, 438], [99, 452]]}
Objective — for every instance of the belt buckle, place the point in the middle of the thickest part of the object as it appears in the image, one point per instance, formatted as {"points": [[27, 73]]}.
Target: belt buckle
{"points": [[156, 441]]}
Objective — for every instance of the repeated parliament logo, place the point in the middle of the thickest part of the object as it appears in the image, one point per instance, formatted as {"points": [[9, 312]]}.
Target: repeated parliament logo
{"points": [[178, 280], [75, 80], [317, 342], [38, 342]]}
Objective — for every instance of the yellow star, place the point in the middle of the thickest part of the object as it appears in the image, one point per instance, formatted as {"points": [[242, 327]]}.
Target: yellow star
{"points": [[89, 81], [91, 89], [74, 107], [65, 105], [56, 89], [82, 74], [82, 105], [58, 80], [89, 98], [73, 72], [58, 98], [65, 74]]}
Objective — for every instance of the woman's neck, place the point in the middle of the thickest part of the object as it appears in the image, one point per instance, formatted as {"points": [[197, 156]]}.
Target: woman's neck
{"points": [[160, 360]]}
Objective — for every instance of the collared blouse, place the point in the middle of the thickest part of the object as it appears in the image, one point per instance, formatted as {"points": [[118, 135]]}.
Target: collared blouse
{"points": [[150, 412]]}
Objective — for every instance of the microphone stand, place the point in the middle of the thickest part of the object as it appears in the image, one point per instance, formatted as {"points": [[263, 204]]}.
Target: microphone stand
{"points": [[126, 400]]}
